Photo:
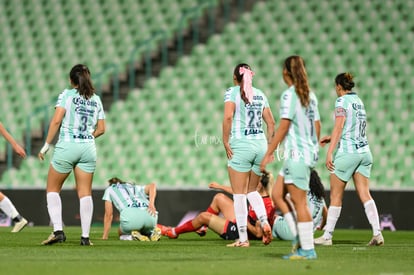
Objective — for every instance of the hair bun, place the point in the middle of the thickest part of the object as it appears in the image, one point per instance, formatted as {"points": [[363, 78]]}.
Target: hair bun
{"points": [[349, 77]]}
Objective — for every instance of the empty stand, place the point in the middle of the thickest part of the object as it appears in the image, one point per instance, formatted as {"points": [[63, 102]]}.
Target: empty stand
{"points": [[169, 131]]}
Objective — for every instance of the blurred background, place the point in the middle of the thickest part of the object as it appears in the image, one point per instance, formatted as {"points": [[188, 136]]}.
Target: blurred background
{"points": [[162, 67]]}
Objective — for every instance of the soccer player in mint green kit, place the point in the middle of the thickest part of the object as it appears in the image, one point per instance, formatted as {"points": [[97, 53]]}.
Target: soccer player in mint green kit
{"points": [[79, 116], [317, 206], [352, 159], [245, 142], [299, 129], [5, 203], [136, 205]]}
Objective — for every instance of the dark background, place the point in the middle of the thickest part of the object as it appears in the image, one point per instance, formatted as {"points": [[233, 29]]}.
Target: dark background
{"points": [[172, 205]]}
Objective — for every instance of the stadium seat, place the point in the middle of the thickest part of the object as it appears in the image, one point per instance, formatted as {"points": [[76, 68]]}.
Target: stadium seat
{"points": [[169, 131]]}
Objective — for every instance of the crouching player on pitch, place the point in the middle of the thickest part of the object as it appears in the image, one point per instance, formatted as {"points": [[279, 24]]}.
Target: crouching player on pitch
{"points": [[316, 203], [136, 205]]}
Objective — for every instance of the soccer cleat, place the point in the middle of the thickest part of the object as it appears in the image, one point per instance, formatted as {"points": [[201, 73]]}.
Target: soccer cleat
{"points": [[239, 244], [170, 233], [167, 231], [295, 244], [156, 234], [267, 234], [55, 237], [376, 240], [136, 235], [202, 231], [322, 241], [301, 254], [18, 226], [163, 228], [85, 241]]}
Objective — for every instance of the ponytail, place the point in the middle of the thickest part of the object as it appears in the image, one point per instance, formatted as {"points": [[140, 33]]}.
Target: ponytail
{"points": [[316, 186], [295, 67], [244, 76], [81, 77]]}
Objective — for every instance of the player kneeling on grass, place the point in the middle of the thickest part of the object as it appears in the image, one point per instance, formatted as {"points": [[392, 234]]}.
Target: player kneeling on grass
{"points": [[316, 203], [220, 215], [135, 203]]}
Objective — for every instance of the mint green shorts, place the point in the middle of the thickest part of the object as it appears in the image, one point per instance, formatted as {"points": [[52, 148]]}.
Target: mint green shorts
{"points": [[67, 155], [296, 172], [281, 229], [247, 155], [346, 165], [137, 218]]}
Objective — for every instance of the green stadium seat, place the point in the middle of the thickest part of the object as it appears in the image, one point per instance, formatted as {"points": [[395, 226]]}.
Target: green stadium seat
{"points": [[152, 132]]}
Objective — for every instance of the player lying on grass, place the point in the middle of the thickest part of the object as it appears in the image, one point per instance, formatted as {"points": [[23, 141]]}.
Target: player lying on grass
{"points": [[225, 224], [135, 203]]}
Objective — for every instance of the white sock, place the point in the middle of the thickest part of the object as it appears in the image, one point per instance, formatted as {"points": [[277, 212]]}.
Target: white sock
{"points": [[290, 220], [256, 202], [372, 215], [86, 212], [240, 211], [54, 207], [8, 208], [305, 231], [333, 215]]}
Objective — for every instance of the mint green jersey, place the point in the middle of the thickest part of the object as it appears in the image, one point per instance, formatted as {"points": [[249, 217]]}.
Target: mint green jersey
{"points": [[314, 116], [316, 209], [124, 195], [300, 142], [247, 118], [353, 137], [81, 116]]}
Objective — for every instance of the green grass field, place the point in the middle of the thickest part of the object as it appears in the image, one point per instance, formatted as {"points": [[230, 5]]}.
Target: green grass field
{"points": [[21, 253]]}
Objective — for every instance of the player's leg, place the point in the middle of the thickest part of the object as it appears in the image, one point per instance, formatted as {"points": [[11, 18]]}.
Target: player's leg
{"points": [[281, 229], [225, 228], [256, 201], [10, 210], [84, 170], [84, 188], [334, 210], [55, 181], [192, 225], [132, 221], [279, 198], [345, 164], [239, 182], [143, 225], [304, 223], [221, 203], [362, 188]]}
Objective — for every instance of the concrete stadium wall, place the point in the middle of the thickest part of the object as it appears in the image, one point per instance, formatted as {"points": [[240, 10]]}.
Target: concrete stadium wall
{"points": [[173, 205]]}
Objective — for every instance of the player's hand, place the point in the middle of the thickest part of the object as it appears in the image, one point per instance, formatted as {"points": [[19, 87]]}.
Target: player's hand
{"points": [[325, 140], [43, 151], [229, 152], [259, 231], [329, 163], [19, 150], [266, 160], [152, 210], [214, 185]]}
